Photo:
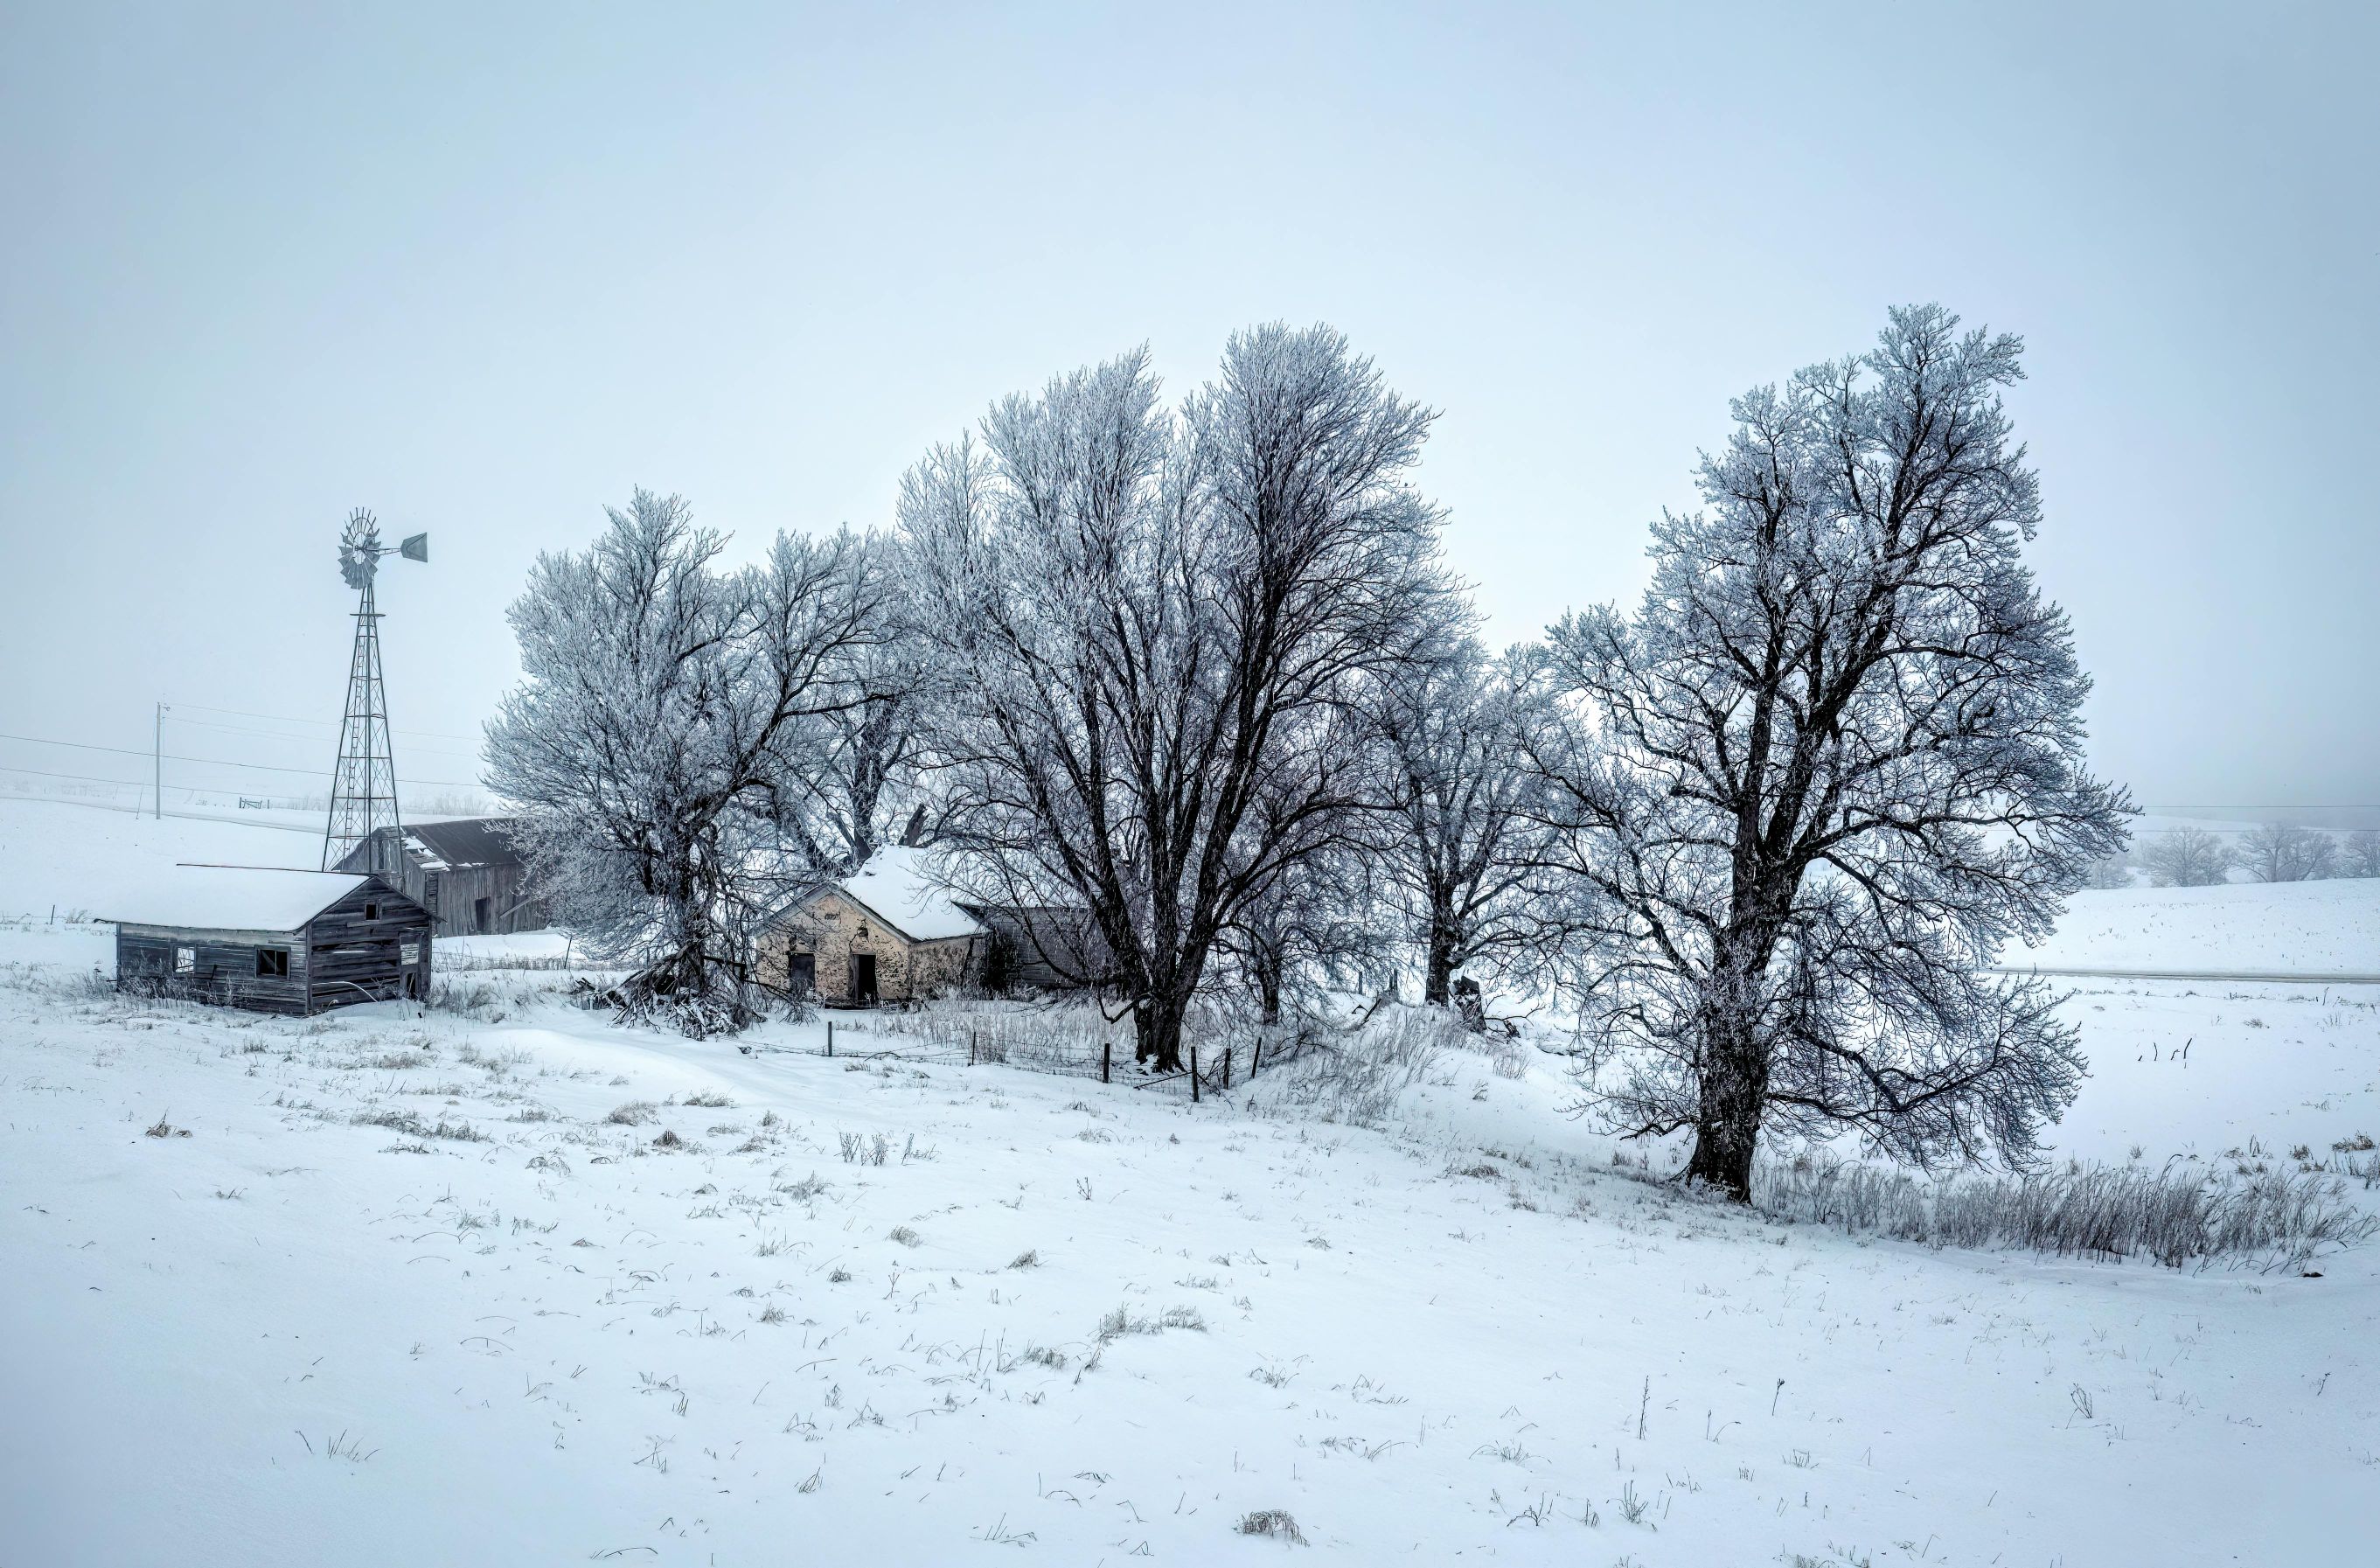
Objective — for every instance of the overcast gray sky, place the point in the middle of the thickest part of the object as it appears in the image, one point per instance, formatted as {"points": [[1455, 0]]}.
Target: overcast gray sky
{"points": [[485, 269]]}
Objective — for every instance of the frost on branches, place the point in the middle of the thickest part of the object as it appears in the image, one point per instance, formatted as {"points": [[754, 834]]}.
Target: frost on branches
{"points": [[671, 740], [1460, 838], [1828, 767], [1149, 624]]}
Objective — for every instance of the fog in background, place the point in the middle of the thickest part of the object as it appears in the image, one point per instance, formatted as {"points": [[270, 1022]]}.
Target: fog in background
{"points": [[484, 272]]}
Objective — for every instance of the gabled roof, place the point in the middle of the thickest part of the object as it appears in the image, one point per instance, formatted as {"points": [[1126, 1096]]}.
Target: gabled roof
{"points": [[241, 898], [466, 841], [898, 887], [458, 844]]}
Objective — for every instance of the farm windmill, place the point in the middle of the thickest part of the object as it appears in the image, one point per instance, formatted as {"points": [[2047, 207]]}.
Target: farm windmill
{"points": [[363, 784]]}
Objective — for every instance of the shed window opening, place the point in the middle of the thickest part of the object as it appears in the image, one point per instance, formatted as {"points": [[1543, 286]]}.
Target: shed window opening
{"points": [[272, 962], [371, 911], [185, 960], [408, 952]]}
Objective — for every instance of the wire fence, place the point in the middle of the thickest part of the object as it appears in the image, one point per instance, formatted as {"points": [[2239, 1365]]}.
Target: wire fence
{"points": [[1058, 1044]]}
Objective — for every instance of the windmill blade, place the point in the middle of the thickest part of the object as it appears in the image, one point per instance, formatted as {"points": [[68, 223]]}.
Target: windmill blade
{"points": [[359, 549], [416, 547]]}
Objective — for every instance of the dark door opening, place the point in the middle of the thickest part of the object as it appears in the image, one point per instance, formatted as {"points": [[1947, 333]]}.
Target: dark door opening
{"points": [[801, 973], [480, 915], [863, 980]]}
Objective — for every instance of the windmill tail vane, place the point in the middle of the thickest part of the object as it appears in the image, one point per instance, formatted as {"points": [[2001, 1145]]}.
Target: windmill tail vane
{"points": [[363, 783]]}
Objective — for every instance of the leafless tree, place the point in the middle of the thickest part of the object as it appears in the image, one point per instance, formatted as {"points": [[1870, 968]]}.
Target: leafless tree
{"points": [[1150, 625], [2188, 858], [2362, 853], [869, 776], [2284, 852], [2109, 872], [1461, 839], [668, 739], [1832, 763]]}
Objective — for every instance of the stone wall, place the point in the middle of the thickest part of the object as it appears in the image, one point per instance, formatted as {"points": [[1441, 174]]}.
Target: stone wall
{"points": [[832, 930]]}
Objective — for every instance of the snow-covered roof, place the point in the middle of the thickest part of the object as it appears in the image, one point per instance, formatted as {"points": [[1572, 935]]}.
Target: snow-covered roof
{"points": [[898, 884], [237, 898]]}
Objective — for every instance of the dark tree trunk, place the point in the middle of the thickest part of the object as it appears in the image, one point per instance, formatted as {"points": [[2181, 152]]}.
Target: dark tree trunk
{"points": [[1156, 1033], [1734, 1091], [1268, 977], [1438, 977]]}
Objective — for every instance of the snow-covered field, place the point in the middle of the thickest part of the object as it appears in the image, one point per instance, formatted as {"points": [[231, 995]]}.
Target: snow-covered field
{"points": [[2299, 927], [439, 1289]]}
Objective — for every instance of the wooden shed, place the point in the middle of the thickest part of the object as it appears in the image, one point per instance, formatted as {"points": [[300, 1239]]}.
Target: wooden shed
{"points": [[465, 871], [1042, 947], [273, 941], [888, 933]]}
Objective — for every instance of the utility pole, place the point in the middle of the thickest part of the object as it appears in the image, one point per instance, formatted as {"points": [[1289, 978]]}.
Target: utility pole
{"points": [[157, 761]]}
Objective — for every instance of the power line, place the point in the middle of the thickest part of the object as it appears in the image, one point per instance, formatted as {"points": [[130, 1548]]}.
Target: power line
{"points": [[291, 719], [209, 762], [81, 778], [173, 717]]}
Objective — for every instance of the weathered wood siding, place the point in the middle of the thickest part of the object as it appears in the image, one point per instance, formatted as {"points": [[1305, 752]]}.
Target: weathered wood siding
{"points": [[1042, 949], [832, 929], [455, 899], [452, 894], [223, 966], [354, 957]]}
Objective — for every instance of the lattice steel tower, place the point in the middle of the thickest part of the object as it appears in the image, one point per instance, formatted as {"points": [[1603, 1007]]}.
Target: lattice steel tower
{"points": [[363, 784]]}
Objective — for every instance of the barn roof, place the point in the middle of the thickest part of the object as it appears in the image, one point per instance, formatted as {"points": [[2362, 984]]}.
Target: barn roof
{"points": [[899, 886], [461, 842], [239, 898]]}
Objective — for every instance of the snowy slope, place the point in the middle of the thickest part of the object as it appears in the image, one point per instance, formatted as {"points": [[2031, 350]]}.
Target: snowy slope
{"points": [[492, 1323], [427, 1289]]}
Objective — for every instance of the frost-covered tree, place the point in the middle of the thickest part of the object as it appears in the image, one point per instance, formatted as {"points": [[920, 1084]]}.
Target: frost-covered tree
{"points": [[1150, 624], [668, 739], [2360, 853], [1459, 840], [2284, 852], [2188, 858], [1832, 764], [1313, 930], [2109, 872], [869, 782]]}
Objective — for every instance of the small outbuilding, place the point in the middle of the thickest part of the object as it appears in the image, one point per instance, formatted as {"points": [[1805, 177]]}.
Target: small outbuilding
{"points": [[887, 933], [464, 871], [273, 941]]}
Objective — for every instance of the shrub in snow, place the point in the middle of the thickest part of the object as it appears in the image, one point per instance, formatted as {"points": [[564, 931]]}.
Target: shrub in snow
{"points": [[1274, 1522]]}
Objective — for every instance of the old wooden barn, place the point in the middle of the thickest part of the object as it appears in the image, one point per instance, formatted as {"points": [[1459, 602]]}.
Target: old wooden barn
{"points": [[465, 871], [273, 941]]}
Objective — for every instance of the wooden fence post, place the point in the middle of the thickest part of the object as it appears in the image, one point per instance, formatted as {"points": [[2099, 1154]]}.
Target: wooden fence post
{"points": [[1256, 1057], [970, 1047], [1227, 1069], [1194, 1075], [1107, 1048], [829, 1037]]}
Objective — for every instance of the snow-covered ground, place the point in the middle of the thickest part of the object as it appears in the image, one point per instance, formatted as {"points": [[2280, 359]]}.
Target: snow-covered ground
{"points": [[429, 1289], [2297, 927]]}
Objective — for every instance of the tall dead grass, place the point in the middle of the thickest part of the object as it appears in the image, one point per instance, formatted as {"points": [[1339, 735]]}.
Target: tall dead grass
{"points": [[2179, 1214]]}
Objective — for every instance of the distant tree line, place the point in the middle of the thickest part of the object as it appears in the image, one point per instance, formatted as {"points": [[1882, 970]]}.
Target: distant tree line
{"points": [[1199, 671], [2276, 852]]}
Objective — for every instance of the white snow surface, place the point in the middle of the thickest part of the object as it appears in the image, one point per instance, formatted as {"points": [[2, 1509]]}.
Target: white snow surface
{"points": [[424, 1287], [2296, 928], [898, 883], [235, 898], [80, 859]]}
